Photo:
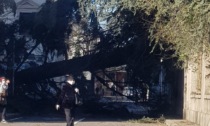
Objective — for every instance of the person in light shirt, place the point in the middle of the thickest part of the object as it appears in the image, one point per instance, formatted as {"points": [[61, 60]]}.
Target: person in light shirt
{"points": [[4, 83]]}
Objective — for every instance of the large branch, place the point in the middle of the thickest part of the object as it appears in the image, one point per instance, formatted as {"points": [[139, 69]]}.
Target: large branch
{"points": [[76, 65]]}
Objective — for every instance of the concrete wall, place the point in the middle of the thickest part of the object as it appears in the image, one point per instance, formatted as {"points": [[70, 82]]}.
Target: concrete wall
{"points": [[197, 91]]}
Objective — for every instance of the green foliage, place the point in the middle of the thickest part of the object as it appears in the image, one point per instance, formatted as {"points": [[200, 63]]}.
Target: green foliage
{"points": [[124, 29], [7, 6], [53, 24], [182, 24]]}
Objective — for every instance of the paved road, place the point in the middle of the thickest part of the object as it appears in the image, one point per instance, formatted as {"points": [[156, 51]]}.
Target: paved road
{"points": [[80, 121]]}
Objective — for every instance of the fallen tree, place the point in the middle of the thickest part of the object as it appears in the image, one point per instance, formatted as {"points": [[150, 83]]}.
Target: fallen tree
{"points": [[76, 65]]}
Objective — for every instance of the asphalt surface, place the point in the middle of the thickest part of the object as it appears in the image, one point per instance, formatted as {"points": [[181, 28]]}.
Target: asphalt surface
{"points": [[82, 120]]}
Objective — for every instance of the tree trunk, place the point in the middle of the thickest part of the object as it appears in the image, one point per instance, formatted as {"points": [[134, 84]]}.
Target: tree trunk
{"points": [[76, 65]]}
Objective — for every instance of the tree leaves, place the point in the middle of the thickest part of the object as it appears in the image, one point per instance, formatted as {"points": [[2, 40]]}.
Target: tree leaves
{"points": [[183, 24], [7, 6]]}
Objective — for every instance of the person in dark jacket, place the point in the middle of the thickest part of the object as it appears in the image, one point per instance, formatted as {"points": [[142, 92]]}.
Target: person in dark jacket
{"points": [[67, 100]]}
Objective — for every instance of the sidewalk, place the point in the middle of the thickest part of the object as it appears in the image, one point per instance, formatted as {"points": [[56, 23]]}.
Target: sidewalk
{"points": [[180, 122]]}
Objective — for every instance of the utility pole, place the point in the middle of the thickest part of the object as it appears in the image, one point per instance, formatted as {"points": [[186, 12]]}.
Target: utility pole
{"points": [[161, 77]]}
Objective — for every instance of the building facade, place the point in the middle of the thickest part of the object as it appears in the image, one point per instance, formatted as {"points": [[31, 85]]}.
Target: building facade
{"points": [[28, 6], [114, 77]]}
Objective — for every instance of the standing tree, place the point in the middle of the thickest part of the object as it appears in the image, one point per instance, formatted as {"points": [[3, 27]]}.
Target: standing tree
{"points": [[7, 6], [181, 24]]}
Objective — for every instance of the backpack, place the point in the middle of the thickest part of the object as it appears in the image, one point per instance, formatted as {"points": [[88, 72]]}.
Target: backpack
{"points": [[78, 100]]}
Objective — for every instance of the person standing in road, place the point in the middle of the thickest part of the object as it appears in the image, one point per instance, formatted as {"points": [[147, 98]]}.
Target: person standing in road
{"points": [[4, 83], [67, 100]]}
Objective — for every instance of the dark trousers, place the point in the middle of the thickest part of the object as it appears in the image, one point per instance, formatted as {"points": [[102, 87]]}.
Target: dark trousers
{"points": [[69, 113], [3, 111]]}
